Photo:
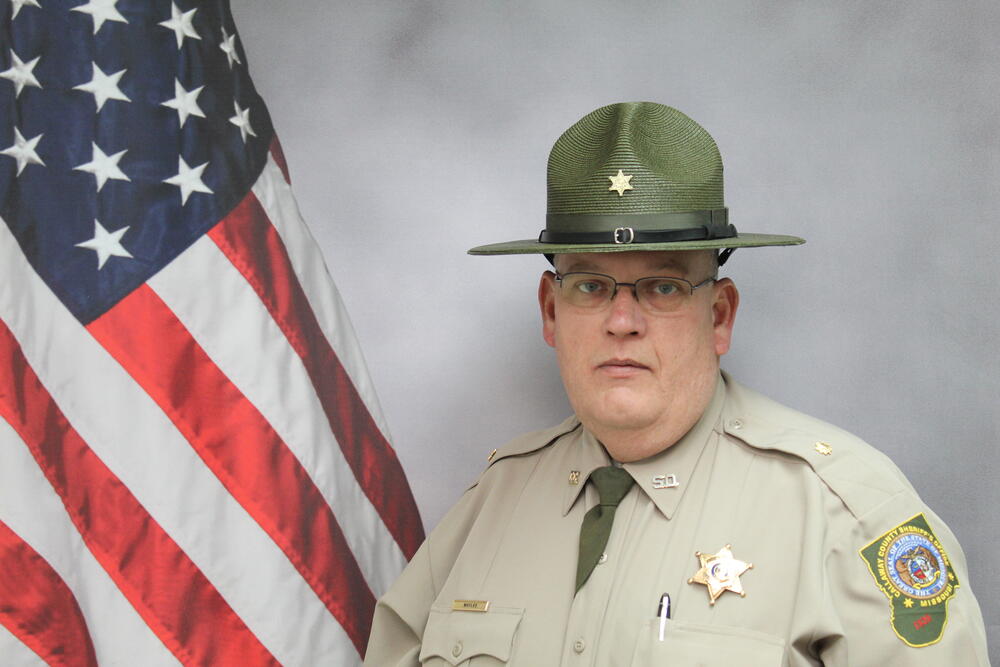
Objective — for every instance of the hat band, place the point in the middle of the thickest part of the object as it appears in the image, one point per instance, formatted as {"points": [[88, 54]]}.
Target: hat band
{"points": [[637, 228]]}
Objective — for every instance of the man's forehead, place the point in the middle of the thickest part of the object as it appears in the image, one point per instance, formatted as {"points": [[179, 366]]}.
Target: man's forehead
{"points": [[668, 260]]}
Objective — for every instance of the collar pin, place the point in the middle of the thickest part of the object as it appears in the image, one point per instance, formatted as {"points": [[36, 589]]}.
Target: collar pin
{"points": [[665, 481]]}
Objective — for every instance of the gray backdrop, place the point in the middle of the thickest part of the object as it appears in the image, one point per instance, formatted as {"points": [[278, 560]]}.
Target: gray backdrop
{"points": [[415, 130]]}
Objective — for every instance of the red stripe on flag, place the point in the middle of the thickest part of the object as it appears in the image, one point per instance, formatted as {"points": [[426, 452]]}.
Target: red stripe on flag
{"points": [[279, 158], [240, 447], [39, 608], [170, 593], [251, 243]]}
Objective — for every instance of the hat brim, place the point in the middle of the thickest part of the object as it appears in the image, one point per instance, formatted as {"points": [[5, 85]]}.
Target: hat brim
{"points": [[532, 246]]}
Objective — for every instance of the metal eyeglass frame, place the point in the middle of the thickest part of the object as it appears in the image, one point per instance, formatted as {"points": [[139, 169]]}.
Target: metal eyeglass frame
{"points": [[635, 292]]}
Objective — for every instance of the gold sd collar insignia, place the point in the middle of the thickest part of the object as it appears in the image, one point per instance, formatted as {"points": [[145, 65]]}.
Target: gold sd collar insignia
{"points": [[910, 566]]}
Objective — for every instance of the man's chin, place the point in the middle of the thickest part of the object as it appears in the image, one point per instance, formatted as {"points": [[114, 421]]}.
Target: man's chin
{"points": [[620, 416]]}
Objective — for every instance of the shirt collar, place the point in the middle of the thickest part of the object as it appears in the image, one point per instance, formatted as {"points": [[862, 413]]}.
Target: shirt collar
{"points": [[663, 477], [588, 454]]}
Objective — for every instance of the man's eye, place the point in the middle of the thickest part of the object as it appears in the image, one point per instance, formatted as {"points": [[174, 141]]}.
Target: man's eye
{"points": [[664, 288], [589, 286]]}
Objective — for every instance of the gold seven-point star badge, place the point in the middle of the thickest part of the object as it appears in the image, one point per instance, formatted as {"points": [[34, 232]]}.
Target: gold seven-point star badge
{"points": [[620, 182], [720, 573]]}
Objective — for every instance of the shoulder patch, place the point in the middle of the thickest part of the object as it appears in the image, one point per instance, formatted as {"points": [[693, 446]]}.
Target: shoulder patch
{"points": [[911, 568]]}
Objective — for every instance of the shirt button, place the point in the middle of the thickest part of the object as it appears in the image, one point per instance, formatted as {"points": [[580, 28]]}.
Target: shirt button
{"points": [[736, 424], [579, 645], [456, 650], [602, 559]]}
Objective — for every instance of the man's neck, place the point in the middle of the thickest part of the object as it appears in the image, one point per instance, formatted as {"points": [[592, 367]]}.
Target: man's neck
{"points": [[627, 445]]}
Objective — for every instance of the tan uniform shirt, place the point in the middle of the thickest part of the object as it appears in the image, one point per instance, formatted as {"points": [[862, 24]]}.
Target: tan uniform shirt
{"points": [[750, 474]]}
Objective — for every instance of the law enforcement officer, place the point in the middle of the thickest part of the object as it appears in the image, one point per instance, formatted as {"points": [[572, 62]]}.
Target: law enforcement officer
{"points": [[679, 517]]}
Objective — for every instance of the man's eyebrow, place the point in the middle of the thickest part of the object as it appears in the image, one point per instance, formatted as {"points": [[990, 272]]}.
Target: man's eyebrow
{"points": [[671, 265], [582, 265]]}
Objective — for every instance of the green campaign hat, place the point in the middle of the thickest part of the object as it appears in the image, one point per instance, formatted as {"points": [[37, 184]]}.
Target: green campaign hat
{"points": [[635, 176]]}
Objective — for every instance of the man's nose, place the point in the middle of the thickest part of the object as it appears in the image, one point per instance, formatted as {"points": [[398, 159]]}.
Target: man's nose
{"points": [[625, 316]]}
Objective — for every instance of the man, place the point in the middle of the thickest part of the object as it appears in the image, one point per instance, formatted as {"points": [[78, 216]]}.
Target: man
{"points": [[678, 517]]}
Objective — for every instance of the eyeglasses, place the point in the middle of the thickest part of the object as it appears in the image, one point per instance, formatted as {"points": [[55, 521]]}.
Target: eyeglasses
{"points": [[596, 290]]}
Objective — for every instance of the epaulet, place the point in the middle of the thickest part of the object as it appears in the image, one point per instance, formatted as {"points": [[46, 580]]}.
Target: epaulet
{"points": [[861, 476], [531, 442], [528, 443]]}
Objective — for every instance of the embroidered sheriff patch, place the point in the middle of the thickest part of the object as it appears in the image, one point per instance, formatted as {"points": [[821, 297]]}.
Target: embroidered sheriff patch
{"points": [[910, 566]]}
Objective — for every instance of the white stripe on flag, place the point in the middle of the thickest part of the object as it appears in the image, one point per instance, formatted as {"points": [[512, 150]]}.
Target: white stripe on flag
{"points": [[275, 195], [236, 338], [33, 510], [133, 437]]}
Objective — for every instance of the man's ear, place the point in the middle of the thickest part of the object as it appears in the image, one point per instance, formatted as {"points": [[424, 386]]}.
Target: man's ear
{"points": [[547, 303], [726, 299]]}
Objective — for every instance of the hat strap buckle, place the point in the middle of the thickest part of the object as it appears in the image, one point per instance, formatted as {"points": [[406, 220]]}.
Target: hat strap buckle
{"points": [[624, 235]]}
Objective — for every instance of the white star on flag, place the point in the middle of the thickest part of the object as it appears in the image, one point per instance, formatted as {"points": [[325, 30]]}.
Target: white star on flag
{"points": [[242, 121], [23, 151], [20, 3], [104, 166], [180, 23], [101, 11], [228, 46], [20, 73], [188, 179], [185, 102], [104, 87], [105, 244]]}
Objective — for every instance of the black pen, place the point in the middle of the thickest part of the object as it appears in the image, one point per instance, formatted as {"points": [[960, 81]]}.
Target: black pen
{"points": [[663, 612]]}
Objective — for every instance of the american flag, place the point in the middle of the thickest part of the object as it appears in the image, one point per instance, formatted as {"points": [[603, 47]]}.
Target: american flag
{"points": [[193, 466]]}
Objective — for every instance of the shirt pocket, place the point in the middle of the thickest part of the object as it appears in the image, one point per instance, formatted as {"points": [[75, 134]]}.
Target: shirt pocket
{"points": [[706, 646], [469, 637]]}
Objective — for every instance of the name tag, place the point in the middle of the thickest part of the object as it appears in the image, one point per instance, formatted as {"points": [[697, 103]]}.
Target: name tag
{"points": [[470, 605]]}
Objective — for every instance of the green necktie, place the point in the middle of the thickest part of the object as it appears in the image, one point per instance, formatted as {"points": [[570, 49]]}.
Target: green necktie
{"points": [[612, 484]]}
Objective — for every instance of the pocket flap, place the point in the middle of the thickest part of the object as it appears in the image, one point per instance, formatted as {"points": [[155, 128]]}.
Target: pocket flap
{"points": [[456, 636]]}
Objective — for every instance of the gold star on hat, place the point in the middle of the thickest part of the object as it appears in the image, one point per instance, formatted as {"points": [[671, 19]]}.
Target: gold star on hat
{"points": [[720, 573], [620, 182]]}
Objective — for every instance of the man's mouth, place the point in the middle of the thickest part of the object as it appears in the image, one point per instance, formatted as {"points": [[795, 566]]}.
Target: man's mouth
{"points": [[622, 367]]}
